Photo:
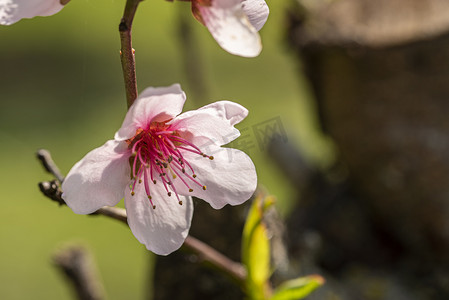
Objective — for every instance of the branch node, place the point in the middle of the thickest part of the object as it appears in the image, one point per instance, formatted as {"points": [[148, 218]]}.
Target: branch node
{"points": [[122, 27]]}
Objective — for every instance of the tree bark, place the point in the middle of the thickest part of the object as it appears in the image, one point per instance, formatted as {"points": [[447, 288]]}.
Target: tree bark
{"points": [[379, 72]]}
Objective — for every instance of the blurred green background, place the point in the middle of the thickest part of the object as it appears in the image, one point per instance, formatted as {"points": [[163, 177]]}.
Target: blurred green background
{"points": [[61, 89]]}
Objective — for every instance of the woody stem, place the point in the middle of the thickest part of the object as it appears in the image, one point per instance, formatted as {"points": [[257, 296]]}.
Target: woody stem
{"points": [[127, 52]]}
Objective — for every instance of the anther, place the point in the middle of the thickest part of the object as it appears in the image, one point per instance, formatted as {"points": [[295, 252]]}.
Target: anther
{"points": [[140, 180], [149, 197], [132, 193], [194, 176], [190, 190], [211, 157], [154, 206], [154, 181], [183, 170], [180, 202], [204, 187], [169, 194]]}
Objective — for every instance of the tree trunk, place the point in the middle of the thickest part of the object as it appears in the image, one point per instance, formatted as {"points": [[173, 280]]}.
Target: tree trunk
{"points": [[379, 71]]}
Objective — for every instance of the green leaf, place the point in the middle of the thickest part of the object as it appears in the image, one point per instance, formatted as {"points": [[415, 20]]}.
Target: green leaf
{"points": [[256, 249], [297, 288]]}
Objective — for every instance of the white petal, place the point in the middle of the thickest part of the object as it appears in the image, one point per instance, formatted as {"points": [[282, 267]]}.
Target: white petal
{"points": [[98, 179], [12, 11], [153, 104], [227, 110], [257, 12], [163, 229], [205, 127], [230, 178], [230, 27]]}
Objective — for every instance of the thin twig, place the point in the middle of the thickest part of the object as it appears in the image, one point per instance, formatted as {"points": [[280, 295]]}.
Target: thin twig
{"points": [[48, 163], [206, 253], [77, 264], [127, 52]]}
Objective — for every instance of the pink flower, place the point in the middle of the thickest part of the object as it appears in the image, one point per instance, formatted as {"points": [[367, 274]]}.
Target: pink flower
{"points": [[234, 24], [157, 160], [12, 11]]}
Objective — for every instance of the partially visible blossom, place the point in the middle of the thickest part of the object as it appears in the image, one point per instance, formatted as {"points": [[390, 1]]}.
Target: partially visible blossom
{"points": [[157, 160], [12, 11], [234, 24]]}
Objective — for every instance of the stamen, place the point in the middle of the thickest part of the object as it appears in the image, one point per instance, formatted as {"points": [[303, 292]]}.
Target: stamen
{"points": [[158, 149]]}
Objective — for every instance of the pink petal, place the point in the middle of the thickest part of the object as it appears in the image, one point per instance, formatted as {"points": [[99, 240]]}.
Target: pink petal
{"points": [[230, 27], [227, 110], [98, 179], [12, 11], [203, 128], [153, 104], [163, 229], [257, 12], [230, 177]]}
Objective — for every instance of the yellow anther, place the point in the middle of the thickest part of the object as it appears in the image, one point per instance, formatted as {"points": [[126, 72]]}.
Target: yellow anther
{"points": [[190, 190], [132, 193], [211, 157], [204, 187], [180, 202]]}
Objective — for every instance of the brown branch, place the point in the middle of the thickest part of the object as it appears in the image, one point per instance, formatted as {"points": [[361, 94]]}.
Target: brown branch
{"points": [[206, 253], [77, 264], [127, 56], [48, 163]]}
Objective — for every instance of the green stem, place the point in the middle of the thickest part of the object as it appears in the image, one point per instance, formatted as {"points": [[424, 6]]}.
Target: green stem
{"points": [[127, 52]]}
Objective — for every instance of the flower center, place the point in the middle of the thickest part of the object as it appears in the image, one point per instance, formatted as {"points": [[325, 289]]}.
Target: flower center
{"points": [[157, 156]]}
